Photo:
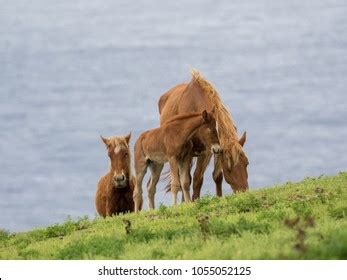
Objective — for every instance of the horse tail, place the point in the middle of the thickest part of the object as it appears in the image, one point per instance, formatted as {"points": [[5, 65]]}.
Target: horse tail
{"points": [[167, 188], [166, 177]]}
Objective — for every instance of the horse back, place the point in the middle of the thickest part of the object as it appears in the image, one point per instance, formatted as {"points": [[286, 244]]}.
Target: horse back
{"points": [[183, 98], [167, 101]]}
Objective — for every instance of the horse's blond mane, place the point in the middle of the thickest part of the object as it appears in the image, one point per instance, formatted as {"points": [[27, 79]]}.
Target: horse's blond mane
{"points": [[227, 131]]}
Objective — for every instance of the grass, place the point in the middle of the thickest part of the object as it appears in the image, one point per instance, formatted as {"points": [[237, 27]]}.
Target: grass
{"points": [[305, 220]]}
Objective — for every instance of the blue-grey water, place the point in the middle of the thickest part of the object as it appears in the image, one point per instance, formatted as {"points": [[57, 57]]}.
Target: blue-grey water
{"points": [[72, 70]]}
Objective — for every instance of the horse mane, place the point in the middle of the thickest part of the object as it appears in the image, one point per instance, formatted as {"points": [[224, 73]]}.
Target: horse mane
{"points": [[182, 117], [227, 131]]}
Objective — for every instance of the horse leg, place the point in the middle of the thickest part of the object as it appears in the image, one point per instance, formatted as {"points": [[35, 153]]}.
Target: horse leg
{"points": [[141, 169], [156, 169], [218, 173], [200, 169], [110, 206], [175, 179], [185, 178]]}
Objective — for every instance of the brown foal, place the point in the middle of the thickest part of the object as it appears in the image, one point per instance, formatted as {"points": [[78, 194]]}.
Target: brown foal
{"points": [[171, 143]]}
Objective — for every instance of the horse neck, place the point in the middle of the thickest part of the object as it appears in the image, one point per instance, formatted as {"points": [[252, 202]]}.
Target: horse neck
{"points": [[189, 126]]}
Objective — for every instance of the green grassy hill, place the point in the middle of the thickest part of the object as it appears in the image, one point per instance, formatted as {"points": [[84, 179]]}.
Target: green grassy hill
{"points": [[305, 220]]}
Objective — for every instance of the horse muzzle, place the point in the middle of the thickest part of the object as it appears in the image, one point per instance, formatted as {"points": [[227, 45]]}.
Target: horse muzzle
{"points": [[119, 181]]}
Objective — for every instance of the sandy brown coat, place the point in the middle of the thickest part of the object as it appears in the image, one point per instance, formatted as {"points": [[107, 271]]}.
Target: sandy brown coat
{"points": [[197, 95], [171, 142]]}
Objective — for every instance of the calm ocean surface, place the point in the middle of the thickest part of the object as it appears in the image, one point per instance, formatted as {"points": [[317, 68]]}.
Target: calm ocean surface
{"points": [[72, 70]]}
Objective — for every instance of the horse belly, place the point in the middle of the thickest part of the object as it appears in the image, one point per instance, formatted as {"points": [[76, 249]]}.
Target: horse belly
{"points": [[155, 150], [157, 157]]}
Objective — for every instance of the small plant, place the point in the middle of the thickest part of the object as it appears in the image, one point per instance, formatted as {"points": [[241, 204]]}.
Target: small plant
{"points": [[319, 190], [163, 210], [300, 226], [321, 194], [82, 223], [203, 221], [127, 226]]}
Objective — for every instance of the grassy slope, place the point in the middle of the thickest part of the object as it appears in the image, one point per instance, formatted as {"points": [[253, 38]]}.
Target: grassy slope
{"points": [[305, 220]]}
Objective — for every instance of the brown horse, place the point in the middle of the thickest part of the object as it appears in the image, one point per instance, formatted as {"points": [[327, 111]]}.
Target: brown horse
{"points": [[171, 142], [199, 95], [114, 193]]}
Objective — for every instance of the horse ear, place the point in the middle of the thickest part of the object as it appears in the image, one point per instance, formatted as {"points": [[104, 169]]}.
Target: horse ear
{"points": [[105, 140], [205, 115], [243, 139], [127, 137]]}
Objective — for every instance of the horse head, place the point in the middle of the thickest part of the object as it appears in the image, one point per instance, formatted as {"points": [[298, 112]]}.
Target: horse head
{"points": [[209, 129], [118, 151], [235, 163]]}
